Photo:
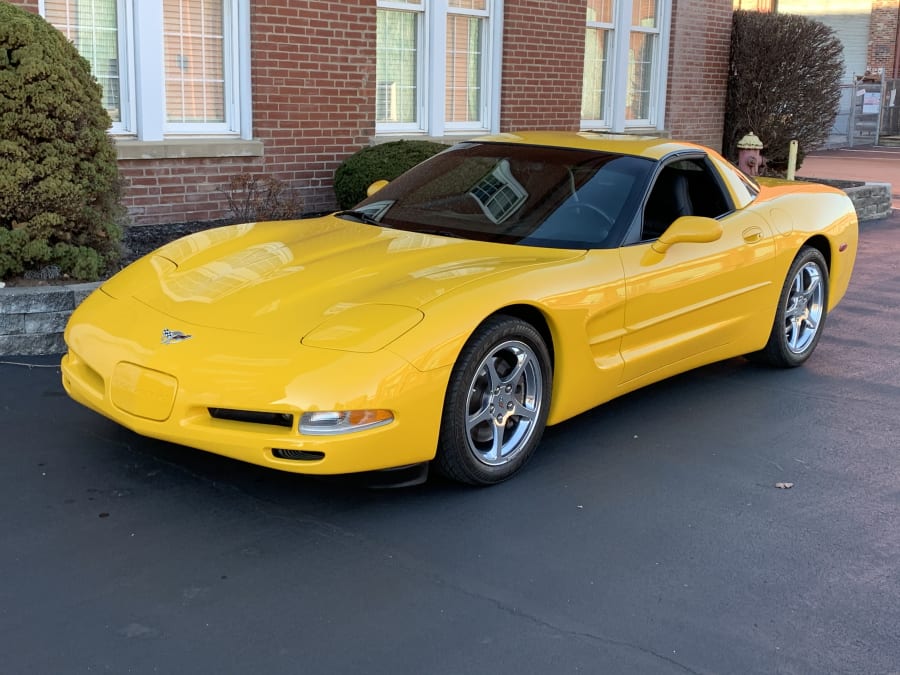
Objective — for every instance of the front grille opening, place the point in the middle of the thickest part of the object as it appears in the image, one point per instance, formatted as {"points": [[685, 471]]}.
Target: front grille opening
{"points": [[253, 417], [298, 455]]}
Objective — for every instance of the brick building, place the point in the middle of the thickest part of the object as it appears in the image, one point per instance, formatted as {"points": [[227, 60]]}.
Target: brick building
{"points": [[204, 90]]}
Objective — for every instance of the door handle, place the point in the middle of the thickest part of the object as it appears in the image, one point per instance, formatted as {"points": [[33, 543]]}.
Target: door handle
{"points": [[752, 234]]}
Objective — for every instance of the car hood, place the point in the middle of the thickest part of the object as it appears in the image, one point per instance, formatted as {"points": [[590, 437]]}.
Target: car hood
{"points": [[291, 277]]}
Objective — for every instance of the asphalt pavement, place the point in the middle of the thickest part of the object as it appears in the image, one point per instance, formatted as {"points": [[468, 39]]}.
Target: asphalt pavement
{"points": [[646, 536]]}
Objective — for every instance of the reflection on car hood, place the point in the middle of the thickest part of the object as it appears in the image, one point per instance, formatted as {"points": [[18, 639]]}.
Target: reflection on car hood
{"points": [[289, 276]]}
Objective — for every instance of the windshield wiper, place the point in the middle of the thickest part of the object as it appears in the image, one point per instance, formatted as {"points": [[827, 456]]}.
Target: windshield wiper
{"points": [[360, 216]]}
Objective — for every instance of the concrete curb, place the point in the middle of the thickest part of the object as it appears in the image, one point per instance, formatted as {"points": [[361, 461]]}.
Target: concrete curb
{"points": [[32, 319]]}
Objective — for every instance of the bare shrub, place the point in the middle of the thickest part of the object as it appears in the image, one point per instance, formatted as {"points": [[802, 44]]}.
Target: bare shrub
{"points": [[783, 84], [252, 197]]}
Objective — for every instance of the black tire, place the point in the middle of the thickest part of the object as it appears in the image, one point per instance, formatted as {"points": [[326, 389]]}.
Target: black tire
{"points": [[800, 317], [497, 402]]}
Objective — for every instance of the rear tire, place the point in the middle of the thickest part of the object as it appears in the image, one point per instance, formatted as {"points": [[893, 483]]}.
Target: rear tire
{"points": [[801, 312], [497, 402]]}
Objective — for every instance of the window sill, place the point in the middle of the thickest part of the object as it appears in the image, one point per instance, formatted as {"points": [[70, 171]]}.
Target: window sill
{"points": [[630, 131], [448, 138], [187, 148]]}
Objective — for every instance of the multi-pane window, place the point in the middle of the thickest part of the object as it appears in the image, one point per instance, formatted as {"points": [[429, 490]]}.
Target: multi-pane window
{"points": [[598, 39], [194, 80], [194, 52], [93, 27], [624, 63], [435, 68], [465, 55], [397, 65], [642, 56]]}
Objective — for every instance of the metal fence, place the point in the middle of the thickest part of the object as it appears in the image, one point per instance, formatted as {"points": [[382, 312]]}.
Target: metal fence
{"points": [[858, 121], [869, 114], [889, 124]]}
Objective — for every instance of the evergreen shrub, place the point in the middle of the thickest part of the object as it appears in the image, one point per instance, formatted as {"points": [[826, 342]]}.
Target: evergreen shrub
{"points": [[59, 182], [385, 161], [783, 84]]}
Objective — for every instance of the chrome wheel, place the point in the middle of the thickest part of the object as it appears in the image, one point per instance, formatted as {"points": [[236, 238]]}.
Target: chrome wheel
{"points": [[800, 315], [497, 402], [805, 307], [503, 403]]}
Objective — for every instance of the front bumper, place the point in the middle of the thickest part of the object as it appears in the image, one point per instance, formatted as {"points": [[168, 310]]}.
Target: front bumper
{"points": [[122, 371]]}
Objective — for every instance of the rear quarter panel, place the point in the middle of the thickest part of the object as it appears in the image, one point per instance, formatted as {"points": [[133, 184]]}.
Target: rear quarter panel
{"points": [[810, 213]]}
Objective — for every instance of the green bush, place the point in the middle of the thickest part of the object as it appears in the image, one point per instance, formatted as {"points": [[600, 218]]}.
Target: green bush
{"points": [[59, 182], [783, 84], [385, 161]]}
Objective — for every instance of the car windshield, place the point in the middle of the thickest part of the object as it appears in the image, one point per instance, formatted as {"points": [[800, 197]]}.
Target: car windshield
{"points": [[516, 194]]}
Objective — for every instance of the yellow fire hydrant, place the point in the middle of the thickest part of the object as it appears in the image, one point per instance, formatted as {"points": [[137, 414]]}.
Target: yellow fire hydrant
{"points": [[749, 158]]}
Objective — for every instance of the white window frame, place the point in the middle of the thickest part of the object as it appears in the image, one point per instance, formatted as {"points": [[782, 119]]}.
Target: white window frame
{"points": [[612, 35], [142, 82], [482, 123], [422, 46], [617, 74], [432, 74]]}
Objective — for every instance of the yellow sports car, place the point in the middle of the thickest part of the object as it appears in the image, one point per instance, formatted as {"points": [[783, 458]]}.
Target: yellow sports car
{"points": [[505, 284]]}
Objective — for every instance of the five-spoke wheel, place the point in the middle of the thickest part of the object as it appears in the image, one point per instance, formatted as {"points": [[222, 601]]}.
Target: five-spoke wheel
{"points": [[497, 402], [801, 311]]}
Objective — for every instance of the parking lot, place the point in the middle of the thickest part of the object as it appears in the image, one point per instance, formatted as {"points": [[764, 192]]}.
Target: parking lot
{"points": [[646, 536]]}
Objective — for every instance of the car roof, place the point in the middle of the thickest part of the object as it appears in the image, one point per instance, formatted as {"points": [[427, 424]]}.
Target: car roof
{"points": [[650, 147]]}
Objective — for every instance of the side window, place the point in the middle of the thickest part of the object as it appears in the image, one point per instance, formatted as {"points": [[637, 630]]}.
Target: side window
{"points": [[685, 187]]}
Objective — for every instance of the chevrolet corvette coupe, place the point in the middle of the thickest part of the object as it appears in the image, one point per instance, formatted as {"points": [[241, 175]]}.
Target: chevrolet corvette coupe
{"points": [[505, 284]]}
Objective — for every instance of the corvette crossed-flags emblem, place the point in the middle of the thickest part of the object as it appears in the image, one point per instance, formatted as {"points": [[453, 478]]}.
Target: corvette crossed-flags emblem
{"points": [[170, 337]]}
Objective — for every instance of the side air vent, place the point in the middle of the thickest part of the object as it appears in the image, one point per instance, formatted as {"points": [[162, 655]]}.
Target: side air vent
{"points": [[253, 417], [298, 455]]}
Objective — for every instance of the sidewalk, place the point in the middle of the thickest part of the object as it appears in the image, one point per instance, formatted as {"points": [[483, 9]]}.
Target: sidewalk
{"points": [[865, 163]]}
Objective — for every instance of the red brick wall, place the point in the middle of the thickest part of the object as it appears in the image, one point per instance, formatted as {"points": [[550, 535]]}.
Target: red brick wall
{"points": [[313, 77], [178, 190], [312, 74], [882, 37], [313, 87], [543, 59], [698, 70]]}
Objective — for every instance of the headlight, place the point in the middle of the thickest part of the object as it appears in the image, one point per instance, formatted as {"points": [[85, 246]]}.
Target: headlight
{"points": [[342, 421]]}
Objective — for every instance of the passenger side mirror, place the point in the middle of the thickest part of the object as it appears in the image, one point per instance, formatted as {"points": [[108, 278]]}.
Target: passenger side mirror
{"points": [[693, 229], [375, 187]]}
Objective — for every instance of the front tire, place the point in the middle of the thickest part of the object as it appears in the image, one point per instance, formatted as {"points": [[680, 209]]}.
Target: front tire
{"points": [[497, 402], [801, 312]]}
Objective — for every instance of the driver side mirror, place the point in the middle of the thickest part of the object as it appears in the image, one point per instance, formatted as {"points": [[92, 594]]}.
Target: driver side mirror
{"points": [[692, 229]]}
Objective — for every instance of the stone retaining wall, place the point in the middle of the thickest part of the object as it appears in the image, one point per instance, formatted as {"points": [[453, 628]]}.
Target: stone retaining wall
{"points": [[872, 200], [32, 320]]}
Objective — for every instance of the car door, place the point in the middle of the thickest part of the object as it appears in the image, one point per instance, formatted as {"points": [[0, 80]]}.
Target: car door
{"points": [[686, 304]]}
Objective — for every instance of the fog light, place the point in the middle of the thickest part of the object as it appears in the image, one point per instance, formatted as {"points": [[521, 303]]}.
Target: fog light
{"points": [[342, 421]]}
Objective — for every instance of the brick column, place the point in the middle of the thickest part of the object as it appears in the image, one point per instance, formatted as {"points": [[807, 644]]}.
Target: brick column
{"points": [[699, 47], [543, 62], [882, 50]]}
